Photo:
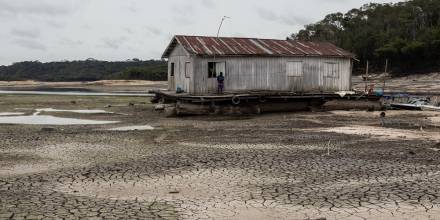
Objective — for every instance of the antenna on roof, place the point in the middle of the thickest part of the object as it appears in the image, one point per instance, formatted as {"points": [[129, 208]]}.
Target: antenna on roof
{"points": [[221, 23], [219, 28]]}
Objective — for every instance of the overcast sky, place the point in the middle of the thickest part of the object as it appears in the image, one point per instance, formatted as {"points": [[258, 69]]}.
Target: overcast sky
{"points": [[54, 30]]}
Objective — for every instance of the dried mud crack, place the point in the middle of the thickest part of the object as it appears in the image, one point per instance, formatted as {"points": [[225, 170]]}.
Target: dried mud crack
{"points": [[288, 166]]}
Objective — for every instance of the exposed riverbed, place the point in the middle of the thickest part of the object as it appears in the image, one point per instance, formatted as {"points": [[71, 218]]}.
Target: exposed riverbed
{"points": [[303, 165]]}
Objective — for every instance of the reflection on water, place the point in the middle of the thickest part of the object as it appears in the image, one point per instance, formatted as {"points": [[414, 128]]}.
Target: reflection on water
{"points": [[49, 120]]}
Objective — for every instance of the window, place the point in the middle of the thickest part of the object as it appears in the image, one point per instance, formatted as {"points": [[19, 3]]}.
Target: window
{"points": [[295, 69], [172, 69], [187, 70], [332, 70], [211, 70], [215, 68]]}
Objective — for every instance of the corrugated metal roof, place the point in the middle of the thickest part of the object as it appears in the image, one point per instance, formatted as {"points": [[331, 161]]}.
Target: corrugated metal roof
{"points": [[232, 46]]}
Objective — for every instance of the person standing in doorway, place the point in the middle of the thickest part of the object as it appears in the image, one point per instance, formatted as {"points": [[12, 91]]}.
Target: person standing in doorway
{"points": [[220, 83]]}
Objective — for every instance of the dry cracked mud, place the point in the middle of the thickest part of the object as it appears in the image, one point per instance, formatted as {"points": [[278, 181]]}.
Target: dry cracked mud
{"points": [[307, 165]]}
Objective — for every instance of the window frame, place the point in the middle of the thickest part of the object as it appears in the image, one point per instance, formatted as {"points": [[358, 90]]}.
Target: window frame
{"points": [[187, 71], [172, 68], [214, 74], [212, 70]]}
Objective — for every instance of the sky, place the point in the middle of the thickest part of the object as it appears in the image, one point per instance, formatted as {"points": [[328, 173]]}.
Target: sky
{"points": [[114, 30]]}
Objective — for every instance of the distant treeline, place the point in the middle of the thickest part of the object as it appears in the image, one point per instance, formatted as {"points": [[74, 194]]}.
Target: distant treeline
{"points": [[88, 70], [406, 33]]}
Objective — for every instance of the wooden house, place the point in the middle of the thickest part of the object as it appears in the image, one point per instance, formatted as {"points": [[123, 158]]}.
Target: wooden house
{"points": [[250, 64]]}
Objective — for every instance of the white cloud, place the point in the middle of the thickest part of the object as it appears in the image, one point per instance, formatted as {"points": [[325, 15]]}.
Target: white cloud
{"points": [[154, 30], [210, 4], [40, 7], [70, 42], [112, 43], [30, 44], [25, 33], [49, 30]]}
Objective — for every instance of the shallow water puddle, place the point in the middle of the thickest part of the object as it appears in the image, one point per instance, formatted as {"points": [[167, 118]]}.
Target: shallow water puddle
{"points": [[70, 93], [133, 128], [37, 119], [49, 120], [11, 113], [95, 111]]}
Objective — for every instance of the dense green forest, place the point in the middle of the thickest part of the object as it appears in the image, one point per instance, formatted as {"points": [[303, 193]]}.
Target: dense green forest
{"points": [[88, 70], [406, 33]]}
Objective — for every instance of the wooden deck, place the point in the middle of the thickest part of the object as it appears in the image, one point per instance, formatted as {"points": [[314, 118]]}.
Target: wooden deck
{"points": [[257, 96]]}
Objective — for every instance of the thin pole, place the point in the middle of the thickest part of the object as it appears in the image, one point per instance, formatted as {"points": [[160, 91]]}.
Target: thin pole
{"points": [[366, 77], [221, 23], [219, 28], [218, 34], [385, 78], [386, 66]]}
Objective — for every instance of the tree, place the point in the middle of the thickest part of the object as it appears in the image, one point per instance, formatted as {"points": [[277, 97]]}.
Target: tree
{"points": [[407, 32]]}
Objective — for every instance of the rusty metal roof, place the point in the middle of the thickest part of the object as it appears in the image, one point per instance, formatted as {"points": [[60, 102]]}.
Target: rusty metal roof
{"points": [[232, 46]]}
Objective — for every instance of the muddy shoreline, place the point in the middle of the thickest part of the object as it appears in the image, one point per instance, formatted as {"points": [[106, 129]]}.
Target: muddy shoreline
{"points": [[127, 86]]}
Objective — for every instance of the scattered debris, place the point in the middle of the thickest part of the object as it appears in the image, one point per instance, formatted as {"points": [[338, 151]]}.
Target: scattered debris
{"points": [[159, 107], [344, 93]]}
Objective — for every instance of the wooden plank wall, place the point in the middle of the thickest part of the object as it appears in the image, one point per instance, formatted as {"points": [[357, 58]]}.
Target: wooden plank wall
{"points": [[259, 73], [179, 57]]}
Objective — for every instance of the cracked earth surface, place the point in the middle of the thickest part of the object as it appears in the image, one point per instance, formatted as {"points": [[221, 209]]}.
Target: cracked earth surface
{"points": [[280, 166]]}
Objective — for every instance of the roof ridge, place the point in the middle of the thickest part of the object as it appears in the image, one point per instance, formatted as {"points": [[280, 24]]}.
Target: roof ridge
{"points": [[255, 38], [251, 46]]}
